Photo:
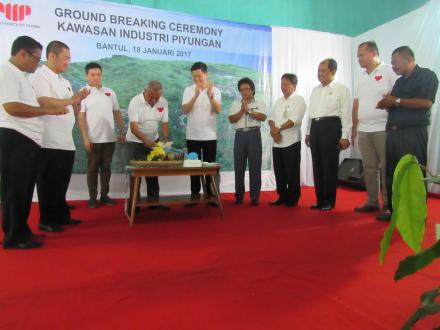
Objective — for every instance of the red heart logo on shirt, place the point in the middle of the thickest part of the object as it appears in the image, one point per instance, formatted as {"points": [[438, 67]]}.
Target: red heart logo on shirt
{"points": [[378, 78], [160, 109], [107, 93]]}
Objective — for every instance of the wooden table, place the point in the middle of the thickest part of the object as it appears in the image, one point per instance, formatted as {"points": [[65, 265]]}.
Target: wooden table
{"points": [[136, 173]]}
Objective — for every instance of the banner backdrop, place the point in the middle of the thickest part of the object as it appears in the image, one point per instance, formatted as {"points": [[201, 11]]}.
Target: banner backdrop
{"points": [[137, 44]]}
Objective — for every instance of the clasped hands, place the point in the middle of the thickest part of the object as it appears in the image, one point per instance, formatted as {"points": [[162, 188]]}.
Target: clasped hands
{"points": [[209, 86], [388, 101], [275, 132]]}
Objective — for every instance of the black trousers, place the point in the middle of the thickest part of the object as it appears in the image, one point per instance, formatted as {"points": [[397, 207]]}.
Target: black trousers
{"points": [[324, 138], [206, 150], [54, 175], [138, 151], [402, 141], [19, 157], [100, 161], [286, 165]]}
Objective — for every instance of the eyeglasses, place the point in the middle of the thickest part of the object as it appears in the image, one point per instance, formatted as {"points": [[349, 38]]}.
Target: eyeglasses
{"points": [[37, 58]]}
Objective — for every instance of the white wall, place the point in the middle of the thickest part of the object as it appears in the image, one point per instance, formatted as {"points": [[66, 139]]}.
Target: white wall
{"points": [[300, 51], [419, 30]]}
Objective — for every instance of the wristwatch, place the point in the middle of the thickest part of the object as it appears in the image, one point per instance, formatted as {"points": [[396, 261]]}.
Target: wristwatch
{"points": [[397, 102]]}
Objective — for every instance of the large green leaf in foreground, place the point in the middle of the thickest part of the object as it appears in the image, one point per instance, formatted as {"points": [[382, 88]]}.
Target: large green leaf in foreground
{"points": [[409, 205]]}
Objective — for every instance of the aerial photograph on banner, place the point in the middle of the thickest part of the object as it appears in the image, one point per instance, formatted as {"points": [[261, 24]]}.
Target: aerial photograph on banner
{"points": [[135, 45]]}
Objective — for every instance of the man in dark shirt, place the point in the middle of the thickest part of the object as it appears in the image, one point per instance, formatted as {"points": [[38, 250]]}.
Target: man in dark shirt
{"points": [[409, 110]]}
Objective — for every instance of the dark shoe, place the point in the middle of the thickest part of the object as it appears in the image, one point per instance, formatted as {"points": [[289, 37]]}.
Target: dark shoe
{"points": [[315, 207], [107, 201], [36, 236], [195, 195], [384, 216], [254, 202], [71, 206], [92, 203], [24, 245], [279, 201], [191, 204], [366, 209], [326, 207], [51, 228], [159, 207], [238, 201], [70, 222], [291, 204], [213, 204]]}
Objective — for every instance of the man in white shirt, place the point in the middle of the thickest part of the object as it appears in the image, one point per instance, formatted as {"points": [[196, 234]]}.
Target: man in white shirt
{"points": [[96, 120], [21, 128], [246, 115], [58, 148], [201, 103], [285, 129], [369, 122], [328, 130], [145, 111]]}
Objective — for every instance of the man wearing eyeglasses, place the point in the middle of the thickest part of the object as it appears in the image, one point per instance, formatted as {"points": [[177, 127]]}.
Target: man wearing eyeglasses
{"points": [[21, 128]]}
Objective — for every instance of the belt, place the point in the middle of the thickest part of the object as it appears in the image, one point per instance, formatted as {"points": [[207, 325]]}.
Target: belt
{"points": [[399, 127], [247, 129], [325, 118]]}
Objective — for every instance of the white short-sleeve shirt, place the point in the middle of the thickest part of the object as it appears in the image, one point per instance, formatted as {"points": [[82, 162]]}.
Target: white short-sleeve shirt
{"points": [[369, 91], [98, 107], [57, 132], [292, 108], [201, 122], [147, 117], [246, 120], [15, 87]]}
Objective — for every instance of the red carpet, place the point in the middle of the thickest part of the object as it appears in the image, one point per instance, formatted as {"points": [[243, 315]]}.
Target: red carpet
{"points": [[265, 267]]}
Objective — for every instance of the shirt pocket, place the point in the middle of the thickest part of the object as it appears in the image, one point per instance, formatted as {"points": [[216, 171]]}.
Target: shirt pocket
{"points": [[159, 112], [332, 101]]}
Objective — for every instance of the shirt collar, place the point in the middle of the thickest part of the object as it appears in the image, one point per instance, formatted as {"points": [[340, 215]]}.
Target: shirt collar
{"points": [[331, 85], [377, 68], [91, 88], [414, 73], [50, 72], [290, 96], [15, 69]]}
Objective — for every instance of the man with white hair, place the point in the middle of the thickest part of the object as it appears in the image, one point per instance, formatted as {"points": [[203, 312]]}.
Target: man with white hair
{"points": [[145, 111]]}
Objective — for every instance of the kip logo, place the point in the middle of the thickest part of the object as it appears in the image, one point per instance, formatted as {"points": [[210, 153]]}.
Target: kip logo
{"points": [[15, 12]]}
